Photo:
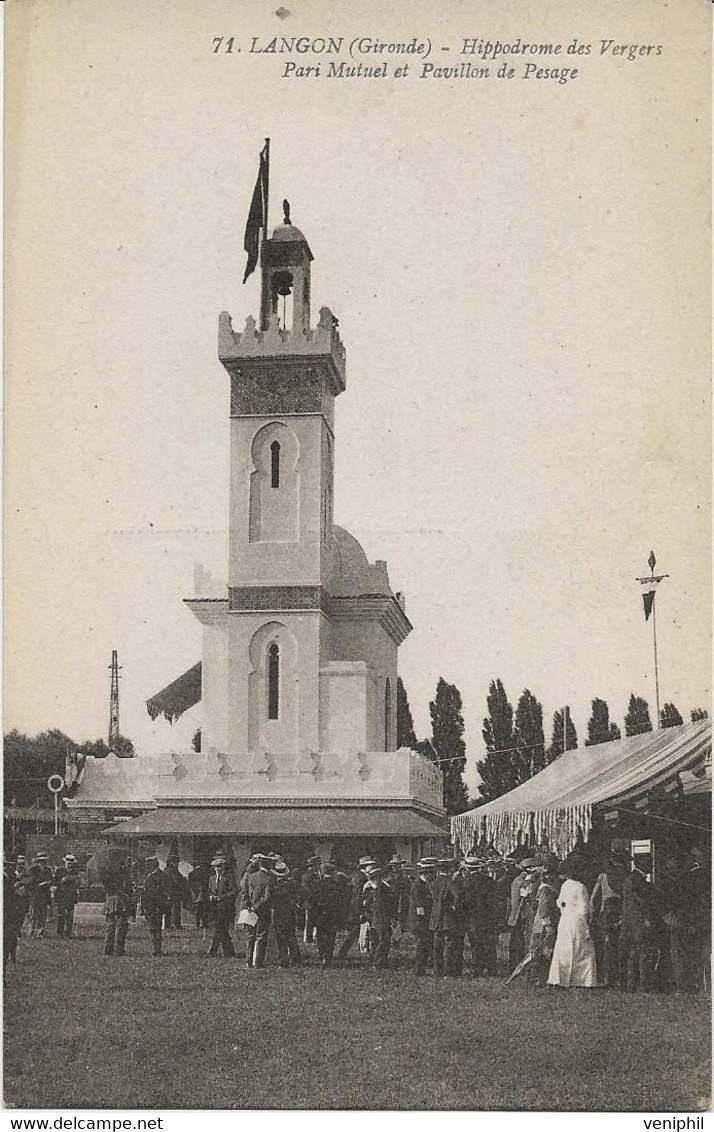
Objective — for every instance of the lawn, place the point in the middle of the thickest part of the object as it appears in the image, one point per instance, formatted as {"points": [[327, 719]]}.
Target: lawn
{"points": [[186, 1031]]}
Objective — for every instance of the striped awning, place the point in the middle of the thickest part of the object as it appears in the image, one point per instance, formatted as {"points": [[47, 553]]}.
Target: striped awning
{"points": [[556, 804], [176, 698]]}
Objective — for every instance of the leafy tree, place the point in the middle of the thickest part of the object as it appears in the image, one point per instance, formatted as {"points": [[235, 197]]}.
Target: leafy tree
{"points": [[528, 737], [123, 748], [600, 730], [698, 713], [426, 747], [196, 741], [96, 749], [560, 732], [406, 736], [28, 761], [497, 771], [669, 716], [447, 725], [637, 720]]}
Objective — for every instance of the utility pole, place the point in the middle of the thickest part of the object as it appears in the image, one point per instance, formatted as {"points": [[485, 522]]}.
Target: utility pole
{"points": [[649, 587], [114, 701]]}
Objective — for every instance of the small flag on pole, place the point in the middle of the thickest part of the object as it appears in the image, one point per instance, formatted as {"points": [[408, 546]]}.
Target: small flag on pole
{"points": [[258, 214], [648, 599]]}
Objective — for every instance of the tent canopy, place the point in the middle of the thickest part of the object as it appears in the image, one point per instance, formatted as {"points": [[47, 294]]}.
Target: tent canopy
{"points": [[176, 698], [557, 802]]}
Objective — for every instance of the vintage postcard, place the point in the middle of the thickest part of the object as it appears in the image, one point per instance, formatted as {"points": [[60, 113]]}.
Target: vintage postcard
{"points": [[357, 572]]}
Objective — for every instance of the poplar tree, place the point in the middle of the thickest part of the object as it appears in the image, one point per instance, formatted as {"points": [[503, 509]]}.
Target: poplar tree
{"points": [[497, 771], [669, 716], [600, 730], [447, 726], [560, 741], [406, 736], [637, 720], [528, 737]]}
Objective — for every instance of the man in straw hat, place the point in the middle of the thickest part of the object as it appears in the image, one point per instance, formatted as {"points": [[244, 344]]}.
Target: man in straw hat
{"points": [[474, 910], [420, 905], [222, 894], [65, 884], [259, 899], [40, 894], [520, 911], [287, 897], [354, 916]]}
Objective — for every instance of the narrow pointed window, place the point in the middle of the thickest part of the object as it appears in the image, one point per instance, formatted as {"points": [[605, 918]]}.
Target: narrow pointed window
{"points": [[275, 464], [387, 713], [273, 681]]}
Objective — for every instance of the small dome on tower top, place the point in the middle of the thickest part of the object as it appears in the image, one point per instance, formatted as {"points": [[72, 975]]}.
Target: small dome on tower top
{"points": [[288, 233]]}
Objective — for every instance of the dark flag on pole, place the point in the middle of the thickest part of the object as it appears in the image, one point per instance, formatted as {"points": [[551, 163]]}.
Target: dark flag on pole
{"points": [[258, 215], [648, 599]]}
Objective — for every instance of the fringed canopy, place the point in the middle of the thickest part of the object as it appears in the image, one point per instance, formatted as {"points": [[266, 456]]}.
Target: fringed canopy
{"points": [[178, 697], [556, 805]]}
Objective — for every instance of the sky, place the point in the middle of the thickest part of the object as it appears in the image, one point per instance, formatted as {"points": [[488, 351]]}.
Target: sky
{"points": [[521, 273]]}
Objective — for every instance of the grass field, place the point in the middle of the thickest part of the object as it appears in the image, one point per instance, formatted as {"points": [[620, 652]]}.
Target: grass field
{"points": [[186, 1031]]}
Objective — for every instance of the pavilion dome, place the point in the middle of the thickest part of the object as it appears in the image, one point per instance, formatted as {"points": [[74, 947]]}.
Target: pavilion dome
{"points": [[352, 575]]}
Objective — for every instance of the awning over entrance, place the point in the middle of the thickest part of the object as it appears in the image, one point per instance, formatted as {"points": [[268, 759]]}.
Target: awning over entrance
{"points": [[279, 821], [178, 697], [558, 801]]}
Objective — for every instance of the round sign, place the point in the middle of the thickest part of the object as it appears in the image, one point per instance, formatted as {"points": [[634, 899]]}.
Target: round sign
{"points": [[55, 783]]}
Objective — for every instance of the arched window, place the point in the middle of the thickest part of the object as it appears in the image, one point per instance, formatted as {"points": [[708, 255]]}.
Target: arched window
{"points": [[273, 681], [387, 713], [275, 464]]}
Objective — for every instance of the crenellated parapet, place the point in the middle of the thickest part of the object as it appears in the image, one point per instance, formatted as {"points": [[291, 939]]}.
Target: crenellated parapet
{"points": [[320, 344]]}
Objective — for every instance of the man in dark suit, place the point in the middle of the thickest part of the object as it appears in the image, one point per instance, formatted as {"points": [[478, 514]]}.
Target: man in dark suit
{"points": [[154, 900], [440, 909], [383, 915], [327, 911], [178, 894], [198, 880], [310, 879], [473, 898], [638, 929], [118, 907], [65, 885], [222, 894], [286, 900], [420, 905]]}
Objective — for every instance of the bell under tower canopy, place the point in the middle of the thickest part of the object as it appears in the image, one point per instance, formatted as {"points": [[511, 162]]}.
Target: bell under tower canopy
{"points": [[285, 263]]}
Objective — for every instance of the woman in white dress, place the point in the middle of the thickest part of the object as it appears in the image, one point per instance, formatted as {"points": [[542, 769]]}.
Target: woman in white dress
{"points": [[573, 962]]}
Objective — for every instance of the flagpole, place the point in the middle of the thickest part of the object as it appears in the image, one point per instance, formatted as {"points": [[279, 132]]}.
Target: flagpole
{"points": [[650, 585], [654, 634], [267, 186]]}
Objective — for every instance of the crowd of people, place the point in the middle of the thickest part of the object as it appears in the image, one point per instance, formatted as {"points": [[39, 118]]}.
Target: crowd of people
{"points": [[619, 931]]}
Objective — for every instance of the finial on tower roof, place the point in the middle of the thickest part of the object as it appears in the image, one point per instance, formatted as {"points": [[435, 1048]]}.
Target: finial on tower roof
{"points": [[286, 212]]}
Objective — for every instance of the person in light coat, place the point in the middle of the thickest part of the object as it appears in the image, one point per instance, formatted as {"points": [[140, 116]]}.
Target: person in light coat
{"points": [[573, 962]]}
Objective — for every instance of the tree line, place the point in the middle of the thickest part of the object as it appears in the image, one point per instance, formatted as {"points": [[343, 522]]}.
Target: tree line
{"points": [[515, 742], [28, 761]]}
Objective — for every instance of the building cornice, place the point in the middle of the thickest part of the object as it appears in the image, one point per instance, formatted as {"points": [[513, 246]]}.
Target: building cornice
{"points": [[384, 609]]}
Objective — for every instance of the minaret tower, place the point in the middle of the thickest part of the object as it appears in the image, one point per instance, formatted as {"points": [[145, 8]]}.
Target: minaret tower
{"points": [[284, 377]]}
